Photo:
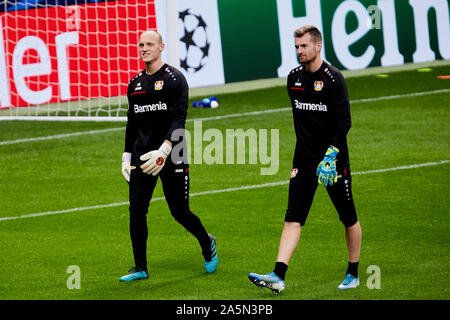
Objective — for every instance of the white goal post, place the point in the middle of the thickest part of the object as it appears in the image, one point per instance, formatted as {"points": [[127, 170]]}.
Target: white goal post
{"points": [[71, 60]]}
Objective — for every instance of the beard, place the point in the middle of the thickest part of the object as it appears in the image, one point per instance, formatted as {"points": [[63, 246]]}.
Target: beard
{"points": [[306, 60]]}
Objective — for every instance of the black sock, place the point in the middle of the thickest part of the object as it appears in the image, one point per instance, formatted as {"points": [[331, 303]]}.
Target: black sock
{"points": [[353, 269], [280, 270]]}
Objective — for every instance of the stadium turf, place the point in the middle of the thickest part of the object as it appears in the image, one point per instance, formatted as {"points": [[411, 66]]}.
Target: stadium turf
{"points": [[75, 183]]}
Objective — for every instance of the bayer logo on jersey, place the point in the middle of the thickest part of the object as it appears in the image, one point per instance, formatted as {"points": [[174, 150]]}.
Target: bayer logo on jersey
{"points": [[194, 50]]}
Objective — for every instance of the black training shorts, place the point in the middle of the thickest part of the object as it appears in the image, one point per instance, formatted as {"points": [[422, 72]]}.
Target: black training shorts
{"points": [[303, 185]]}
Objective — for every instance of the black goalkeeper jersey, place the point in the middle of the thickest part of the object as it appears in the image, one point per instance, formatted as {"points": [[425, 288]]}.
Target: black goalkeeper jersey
{"points": [[157, 106], [321, 112]]}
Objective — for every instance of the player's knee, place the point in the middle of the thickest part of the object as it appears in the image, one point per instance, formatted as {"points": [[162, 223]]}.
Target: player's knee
{"points": [[348, 220], [185, 217], [138, 213], [292, 216], [180, 215]]}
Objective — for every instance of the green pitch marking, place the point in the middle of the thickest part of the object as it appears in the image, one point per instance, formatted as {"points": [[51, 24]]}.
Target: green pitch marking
{"points": [[425, 70]]}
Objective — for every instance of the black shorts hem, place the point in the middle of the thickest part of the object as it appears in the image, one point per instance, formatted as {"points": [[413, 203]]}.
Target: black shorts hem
{"points": [[350, 224], [290, 217]]}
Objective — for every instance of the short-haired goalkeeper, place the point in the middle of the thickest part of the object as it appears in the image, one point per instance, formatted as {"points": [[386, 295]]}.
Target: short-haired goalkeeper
{"points": [[158, 102]]}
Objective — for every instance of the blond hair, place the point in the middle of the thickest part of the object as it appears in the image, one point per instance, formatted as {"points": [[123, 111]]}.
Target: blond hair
{"points": [[315, 33]]}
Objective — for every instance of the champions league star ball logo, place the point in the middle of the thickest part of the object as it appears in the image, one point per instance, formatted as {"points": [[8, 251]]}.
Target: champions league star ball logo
{"points": [[195, 49]]}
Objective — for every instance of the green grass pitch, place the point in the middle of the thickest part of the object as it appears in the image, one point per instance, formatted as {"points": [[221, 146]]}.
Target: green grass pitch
{"points": [[404, 214]]}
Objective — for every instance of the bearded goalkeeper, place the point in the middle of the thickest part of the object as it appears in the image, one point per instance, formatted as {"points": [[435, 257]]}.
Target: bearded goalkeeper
{"points": [[321, 112]]}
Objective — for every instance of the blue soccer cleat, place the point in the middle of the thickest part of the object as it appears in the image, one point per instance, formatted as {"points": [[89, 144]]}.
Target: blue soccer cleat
{"points": [[134, 274], [270, 280], [349, 282], [211, 265]]}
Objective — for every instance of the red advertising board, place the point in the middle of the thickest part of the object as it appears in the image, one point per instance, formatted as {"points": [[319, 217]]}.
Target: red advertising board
{"points": [[63, 53]]}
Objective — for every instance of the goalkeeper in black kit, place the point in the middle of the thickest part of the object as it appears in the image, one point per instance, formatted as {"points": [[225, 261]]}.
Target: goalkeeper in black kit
{"points": [[321, 112], [158, 102]]}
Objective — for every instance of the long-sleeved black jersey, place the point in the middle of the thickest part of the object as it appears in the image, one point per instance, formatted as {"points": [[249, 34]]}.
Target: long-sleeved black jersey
{"points": [[321, 111], [157, 106]]}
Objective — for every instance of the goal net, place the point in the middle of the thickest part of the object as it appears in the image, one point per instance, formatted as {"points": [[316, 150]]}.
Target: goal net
{"points": [[67, 59]]}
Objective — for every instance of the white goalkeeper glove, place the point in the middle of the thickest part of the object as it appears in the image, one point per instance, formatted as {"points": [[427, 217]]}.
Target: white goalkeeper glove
{"points": [[126, 165], [156, 159]]}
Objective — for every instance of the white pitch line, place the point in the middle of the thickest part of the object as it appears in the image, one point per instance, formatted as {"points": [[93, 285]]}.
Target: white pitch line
{"points": [[248, 187], [413, 166], [399, 96], [80, 133], [234, 115], [237, 115], [59, 136]]}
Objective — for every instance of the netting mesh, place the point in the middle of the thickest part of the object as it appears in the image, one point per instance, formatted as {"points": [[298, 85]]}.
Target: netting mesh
{"points": [[70, 58]]}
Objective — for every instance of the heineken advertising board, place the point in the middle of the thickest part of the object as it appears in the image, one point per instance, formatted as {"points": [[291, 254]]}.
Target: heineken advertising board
{"points": [[235, 40]]}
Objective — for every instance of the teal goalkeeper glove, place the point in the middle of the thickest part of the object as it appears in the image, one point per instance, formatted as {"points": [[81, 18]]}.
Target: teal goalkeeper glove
{"points": [[326, 171]]}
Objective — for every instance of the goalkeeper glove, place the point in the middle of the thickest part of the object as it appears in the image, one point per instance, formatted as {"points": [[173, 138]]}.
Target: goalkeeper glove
{"points": [[156, 159], [326, 169], [126, 165]]}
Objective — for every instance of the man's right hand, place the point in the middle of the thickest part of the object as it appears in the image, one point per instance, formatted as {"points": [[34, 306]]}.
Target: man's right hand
{"points": [[126, 165]]}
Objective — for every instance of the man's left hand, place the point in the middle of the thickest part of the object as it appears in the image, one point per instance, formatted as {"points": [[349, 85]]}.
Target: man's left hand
{"points": [[156, 159]]}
